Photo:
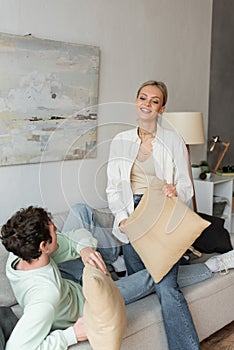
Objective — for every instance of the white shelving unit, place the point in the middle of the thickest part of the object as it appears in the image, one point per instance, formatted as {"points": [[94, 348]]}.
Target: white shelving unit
{"points": [[205, 190], [232, 222]]}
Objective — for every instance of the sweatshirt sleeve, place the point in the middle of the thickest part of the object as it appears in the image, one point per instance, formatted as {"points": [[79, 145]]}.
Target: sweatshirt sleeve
{"points": [[71, 243], [33, 330]]}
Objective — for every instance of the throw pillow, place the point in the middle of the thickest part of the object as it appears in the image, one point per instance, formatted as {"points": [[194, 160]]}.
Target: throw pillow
{"points": [[104, 217], [2, 340], [8, 321], [161, 229], [215, 238], [104, 310]]}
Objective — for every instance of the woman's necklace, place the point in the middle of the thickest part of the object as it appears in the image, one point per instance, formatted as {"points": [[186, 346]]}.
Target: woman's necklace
{"points": [[144, 133], [145, 149]]}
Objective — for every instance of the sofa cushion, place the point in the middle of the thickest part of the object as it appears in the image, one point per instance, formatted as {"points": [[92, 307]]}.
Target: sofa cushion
{"points": [[211, 303], [8, 321], [104, 217], [104, 310], [7, 297], [59, 219], [2, 340]]}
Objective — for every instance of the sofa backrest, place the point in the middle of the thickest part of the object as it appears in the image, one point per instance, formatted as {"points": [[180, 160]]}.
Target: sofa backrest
{"points": [[103, 215], [6, 295]]}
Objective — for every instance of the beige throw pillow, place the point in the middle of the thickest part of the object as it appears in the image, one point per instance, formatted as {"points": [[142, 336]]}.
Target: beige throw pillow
{"points": [[104, 310], [161, 229]]}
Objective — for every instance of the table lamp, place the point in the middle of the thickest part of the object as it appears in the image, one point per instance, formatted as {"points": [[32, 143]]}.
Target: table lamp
{"points": [[190, 126]]}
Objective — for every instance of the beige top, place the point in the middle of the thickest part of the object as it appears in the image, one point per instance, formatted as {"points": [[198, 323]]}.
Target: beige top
{"points": [[141, 175]]}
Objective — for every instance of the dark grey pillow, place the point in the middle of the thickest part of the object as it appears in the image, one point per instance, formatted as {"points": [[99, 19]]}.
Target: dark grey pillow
{"points": [[2, 340], [104, 217], [8, 321]]}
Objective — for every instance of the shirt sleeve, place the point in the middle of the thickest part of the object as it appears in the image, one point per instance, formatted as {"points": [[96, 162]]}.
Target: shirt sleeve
{"points": [[33, 330], [115, 182], [71, 243], [182, 179]]}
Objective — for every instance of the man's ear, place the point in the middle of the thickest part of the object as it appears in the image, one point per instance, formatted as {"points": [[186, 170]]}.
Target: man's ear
{"points": [[42, 246]]}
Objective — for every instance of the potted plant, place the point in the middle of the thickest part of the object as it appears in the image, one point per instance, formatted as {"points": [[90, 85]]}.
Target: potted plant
{"points": [[196, 171], [205, 171], [204, 166]]}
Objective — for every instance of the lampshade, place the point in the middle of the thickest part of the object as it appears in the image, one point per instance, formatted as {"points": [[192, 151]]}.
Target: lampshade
{"points": [[187, 124], [190, 126]]}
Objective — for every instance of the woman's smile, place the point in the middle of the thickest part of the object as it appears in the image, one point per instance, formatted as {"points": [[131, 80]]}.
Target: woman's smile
{"points": [[149, 103], [145, 110]]}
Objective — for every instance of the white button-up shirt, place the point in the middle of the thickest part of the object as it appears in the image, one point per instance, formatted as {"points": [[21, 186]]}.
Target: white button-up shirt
{"points": [[170, 162]]}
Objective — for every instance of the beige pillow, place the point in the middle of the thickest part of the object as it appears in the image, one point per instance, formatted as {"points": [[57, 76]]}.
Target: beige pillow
{"points": [[161, 229], [104, 310]]}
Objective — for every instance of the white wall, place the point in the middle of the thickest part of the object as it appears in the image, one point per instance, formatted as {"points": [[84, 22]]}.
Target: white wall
{"points": [[139, 40]]}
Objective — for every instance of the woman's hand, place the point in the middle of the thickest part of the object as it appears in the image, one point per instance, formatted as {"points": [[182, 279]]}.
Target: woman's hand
{"points": [[94, 258], [79, 330], [121, 225], [169, 190]]}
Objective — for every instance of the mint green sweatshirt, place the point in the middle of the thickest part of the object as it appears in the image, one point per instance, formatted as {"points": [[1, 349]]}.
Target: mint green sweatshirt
{"points": [[50, 303]]}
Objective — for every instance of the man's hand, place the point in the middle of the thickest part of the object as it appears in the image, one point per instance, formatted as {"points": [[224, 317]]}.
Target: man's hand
{"points": [[89, 255], [80, 330], [121, 225]]}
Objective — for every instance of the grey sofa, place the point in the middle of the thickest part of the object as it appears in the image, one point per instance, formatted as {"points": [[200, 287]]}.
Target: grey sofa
{"points": [[211, 304]]}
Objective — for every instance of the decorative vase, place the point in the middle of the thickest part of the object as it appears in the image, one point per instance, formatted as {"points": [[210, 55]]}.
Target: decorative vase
{"points": [[196, 171]]}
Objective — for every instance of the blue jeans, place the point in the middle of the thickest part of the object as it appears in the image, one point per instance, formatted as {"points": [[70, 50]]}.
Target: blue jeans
{"points": [[81, 216], [140, 283], [179, 326]]}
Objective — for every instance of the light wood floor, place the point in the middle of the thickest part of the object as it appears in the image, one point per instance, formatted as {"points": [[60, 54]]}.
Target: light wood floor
{"points": [[221, 340]]}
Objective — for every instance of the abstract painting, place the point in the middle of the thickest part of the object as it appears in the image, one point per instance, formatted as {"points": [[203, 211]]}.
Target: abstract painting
{"points": [[48, 100]]}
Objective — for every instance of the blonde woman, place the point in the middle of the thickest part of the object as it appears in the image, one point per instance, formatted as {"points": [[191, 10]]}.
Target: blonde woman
{"points": [[136, 156]]}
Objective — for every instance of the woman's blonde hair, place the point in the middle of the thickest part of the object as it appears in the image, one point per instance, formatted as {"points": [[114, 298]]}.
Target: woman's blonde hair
{"points": [[162, 87]]}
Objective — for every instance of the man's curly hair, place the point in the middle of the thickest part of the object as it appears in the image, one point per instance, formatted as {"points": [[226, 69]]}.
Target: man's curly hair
{"points": [[25, 230]]}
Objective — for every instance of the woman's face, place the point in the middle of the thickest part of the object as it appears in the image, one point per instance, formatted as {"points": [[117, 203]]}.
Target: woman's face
{"points": [[149, 103]]}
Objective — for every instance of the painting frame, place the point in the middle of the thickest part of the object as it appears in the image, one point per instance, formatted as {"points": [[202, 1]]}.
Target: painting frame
{"points": [[48, 100]]}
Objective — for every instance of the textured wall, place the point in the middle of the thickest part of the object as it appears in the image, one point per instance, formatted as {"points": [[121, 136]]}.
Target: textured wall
{"points": [[139, 40], [221, 104]]}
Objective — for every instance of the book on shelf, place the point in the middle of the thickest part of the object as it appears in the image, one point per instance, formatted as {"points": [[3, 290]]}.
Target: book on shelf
{"points": [[221, 173]]}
